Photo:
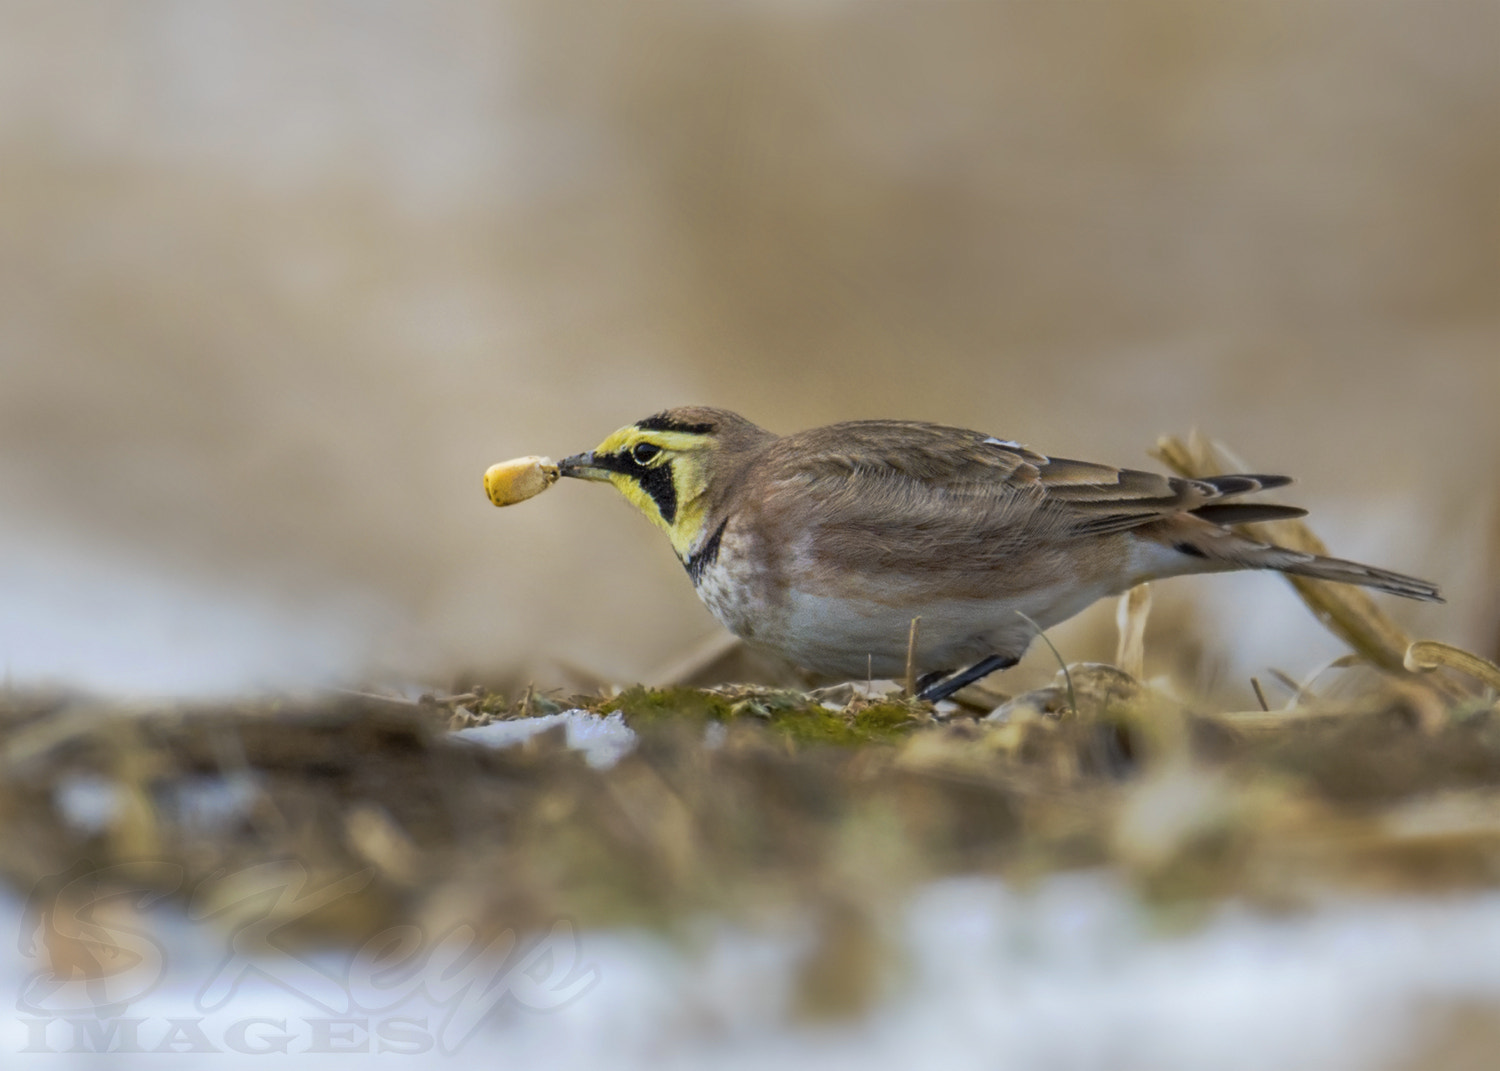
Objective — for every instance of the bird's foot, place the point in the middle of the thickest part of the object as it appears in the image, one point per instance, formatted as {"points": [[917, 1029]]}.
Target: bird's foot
{"points": [[934, 690]]}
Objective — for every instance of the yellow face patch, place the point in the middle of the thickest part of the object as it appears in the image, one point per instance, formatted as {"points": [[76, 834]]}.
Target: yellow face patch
{"points": [[663, 474]]}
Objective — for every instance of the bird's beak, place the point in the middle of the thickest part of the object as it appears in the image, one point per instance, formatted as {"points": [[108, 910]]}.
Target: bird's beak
{"points": [[582, 467]]}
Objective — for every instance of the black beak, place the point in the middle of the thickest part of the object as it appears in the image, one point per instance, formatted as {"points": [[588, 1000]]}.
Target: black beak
{"points": [[582, 467]]}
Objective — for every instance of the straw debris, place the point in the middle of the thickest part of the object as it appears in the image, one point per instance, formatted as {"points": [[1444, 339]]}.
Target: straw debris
{"points": [[749, 802]]}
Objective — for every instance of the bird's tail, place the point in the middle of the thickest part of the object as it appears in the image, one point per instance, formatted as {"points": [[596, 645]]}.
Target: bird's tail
{"points": [[1218, 549], [1298, 563]]}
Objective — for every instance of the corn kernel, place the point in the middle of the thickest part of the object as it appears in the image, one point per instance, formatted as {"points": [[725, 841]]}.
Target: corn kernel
{"points": [[517, 480]]}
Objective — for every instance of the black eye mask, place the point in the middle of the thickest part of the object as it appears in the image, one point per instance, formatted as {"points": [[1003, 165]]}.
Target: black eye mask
{"points": [[656, 482]]}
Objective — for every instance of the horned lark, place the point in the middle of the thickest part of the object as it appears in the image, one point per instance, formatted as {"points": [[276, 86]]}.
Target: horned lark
{"points": [[821, 547]]}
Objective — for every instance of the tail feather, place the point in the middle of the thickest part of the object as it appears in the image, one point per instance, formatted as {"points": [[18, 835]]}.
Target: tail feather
{"points": [[1200, 540], [1244, 483], [1225, 513], [1197, 543], [1346, 572]]}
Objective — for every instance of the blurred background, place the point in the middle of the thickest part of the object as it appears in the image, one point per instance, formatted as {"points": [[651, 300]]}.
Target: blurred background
{"points": [[279, 280]]}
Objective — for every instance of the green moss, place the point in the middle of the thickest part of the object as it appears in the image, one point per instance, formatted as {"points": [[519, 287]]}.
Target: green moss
{"points": [[796, 714], [882, 723], [641, 705]]}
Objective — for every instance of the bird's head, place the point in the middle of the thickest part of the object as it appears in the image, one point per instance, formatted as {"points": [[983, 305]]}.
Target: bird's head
{"points": [[672, 466]]}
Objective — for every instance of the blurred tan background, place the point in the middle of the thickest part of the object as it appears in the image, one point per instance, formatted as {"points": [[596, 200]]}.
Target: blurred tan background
{"points": [[279, 280]]}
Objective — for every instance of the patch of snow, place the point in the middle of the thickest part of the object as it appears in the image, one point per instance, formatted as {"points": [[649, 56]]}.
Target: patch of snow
{"points": [[1067, 974], [88, 802], [604, 740]]}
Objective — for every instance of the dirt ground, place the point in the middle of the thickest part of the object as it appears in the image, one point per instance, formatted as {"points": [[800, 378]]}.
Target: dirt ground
{"points": [[741, 802]]}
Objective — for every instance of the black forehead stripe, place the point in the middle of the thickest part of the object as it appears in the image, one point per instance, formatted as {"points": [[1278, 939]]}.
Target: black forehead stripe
{"points": [[662, 422]]}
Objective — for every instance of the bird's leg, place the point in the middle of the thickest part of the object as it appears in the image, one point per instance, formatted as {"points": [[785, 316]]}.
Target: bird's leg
{"points": [[927, 680], [942, 689]]}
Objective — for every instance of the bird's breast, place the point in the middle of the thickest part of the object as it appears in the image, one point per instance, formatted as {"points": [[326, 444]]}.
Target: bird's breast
{"points": [[732, 579], [782, 596]]}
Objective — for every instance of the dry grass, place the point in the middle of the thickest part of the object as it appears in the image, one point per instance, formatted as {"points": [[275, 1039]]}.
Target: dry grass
{"points": [[831, 802]]}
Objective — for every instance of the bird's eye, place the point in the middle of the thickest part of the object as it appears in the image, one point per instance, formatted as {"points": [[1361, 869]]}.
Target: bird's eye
{"points": [[644, 453]]}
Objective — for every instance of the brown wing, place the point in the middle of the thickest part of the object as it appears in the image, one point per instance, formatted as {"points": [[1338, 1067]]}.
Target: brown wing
{"points": [[934, 490]]}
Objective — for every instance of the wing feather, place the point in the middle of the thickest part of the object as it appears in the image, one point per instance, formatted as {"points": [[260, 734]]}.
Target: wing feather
{"points": [[948, 489]]}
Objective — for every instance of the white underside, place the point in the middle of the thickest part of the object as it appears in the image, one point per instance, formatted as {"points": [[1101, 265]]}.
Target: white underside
{"points": [[852, 636]]}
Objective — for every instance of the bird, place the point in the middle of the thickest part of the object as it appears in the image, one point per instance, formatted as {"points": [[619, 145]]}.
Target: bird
{"points": [[821, 546]]}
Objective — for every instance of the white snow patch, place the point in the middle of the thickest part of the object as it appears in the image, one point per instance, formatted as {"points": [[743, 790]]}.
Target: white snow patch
{"points": [[1068, 974], [88, 802], [604, 740]]}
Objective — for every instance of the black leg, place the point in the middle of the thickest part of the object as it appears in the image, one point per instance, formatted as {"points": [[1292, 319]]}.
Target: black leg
{"points": [[944, 688], [927, 680]]}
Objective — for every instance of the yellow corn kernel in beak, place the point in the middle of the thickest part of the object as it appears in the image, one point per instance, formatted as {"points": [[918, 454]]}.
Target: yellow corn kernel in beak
{"points": [[519, 479]]}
